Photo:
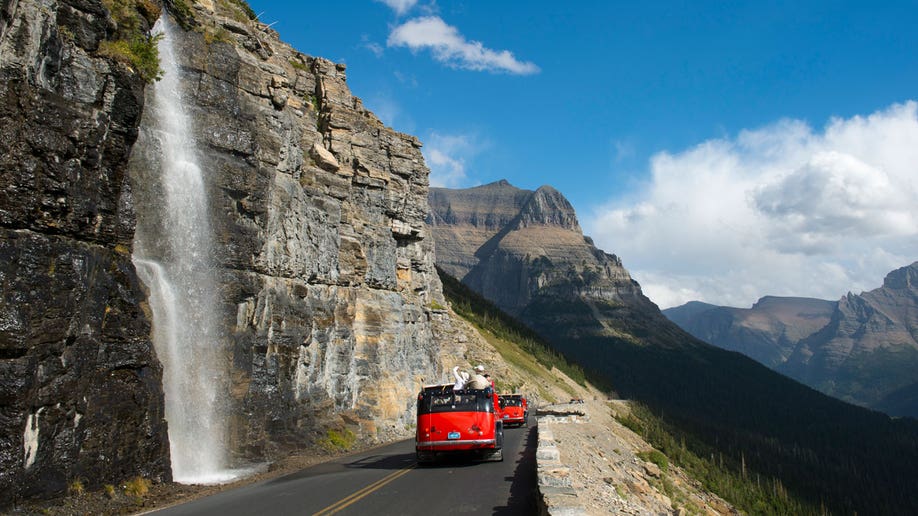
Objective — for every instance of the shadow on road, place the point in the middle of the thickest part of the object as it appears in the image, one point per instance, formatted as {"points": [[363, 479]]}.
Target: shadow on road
{"points": [[400, 461], [393, 462], [523, 490]]}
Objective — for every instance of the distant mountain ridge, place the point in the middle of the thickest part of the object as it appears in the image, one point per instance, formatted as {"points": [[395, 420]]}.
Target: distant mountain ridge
{"points": [[768, 332], [862, 348]]}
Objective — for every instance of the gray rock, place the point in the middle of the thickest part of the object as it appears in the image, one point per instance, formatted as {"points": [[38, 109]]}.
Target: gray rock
{"points": [[80, 386], [652, 470]]}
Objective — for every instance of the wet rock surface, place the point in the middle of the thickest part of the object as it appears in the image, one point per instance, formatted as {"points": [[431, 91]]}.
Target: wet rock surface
{"points": [[80, 389]]}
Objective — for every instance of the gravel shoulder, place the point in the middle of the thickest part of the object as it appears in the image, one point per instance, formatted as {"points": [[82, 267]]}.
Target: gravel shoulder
{"points": [[600, 458]]}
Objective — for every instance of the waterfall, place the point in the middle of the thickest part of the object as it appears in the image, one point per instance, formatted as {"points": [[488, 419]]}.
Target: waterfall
{"points": [[174, 257]]}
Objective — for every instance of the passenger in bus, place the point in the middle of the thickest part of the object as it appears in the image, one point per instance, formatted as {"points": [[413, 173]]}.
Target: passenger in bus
{"points": [[462, 379], [482, 373], [478, 381]]}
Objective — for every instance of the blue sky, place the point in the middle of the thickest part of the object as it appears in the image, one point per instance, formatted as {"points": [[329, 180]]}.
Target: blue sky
{"points": [[682, 132]]}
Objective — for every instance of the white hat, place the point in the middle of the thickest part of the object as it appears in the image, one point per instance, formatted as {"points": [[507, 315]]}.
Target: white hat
{"points": [[479, 368]]}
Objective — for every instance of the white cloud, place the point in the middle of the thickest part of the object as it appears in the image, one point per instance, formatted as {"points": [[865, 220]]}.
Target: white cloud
{"points": [[446, 156], [782, 210], [400, 6], [451, 48]]}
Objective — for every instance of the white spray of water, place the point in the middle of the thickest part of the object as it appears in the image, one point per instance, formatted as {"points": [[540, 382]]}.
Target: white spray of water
{"points": [[183, 291]]}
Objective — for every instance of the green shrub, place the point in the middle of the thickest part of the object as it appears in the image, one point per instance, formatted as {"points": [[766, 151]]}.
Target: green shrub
{"points": [[137, 487], [238, 10], [130, 43], [336, 440], [149, 10], [76, 488], [313, 101], [218, 34], [655, 457], [141, 53]]}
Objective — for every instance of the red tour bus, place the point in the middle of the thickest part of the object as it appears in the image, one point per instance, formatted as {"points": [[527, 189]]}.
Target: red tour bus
{"points": [[514, 409], [454, 422]]}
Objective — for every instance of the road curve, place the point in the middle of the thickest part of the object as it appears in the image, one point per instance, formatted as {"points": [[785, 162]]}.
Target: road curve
{"points": [[388, 480]]}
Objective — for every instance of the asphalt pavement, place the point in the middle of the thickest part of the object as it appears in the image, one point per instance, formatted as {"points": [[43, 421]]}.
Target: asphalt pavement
{"points": [[388, 480]]}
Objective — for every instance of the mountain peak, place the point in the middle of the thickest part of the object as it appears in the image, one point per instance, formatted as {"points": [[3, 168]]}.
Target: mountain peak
{"points": [[549, 207], [501, 184], [903, 278]]}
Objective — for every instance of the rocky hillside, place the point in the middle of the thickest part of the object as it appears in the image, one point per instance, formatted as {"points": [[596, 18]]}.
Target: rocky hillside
{"points": [[862, 348], [324, 265], [588, 461]]}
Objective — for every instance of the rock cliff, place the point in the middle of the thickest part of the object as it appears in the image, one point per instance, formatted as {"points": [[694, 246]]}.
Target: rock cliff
{"points": [[80, 391], [324, 266], [325, 270]]}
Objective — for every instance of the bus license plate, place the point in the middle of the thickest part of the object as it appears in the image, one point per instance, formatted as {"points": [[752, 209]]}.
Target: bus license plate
{"points": [[452, 435]]}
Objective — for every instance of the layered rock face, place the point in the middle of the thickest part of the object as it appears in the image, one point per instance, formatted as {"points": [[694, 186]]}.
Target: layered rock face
{"points": [[524, 251], [767, 332], [80, 392], [325, 270]]}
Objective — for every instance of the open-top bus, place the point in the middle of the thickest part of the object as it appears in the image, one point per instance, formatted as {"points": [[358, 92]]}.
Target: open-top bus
{"points": [[514, 409], [463, 421]]}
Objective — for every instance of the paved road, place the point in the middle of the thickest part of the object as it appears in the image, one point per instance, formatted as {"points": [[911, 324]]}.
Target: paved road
{"points": [[388, 481]]}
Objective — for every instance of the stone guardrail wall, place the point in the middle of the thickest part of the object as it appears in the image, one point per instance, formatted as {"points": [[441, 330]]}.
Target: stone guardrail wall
{"points": [[557, 495]]}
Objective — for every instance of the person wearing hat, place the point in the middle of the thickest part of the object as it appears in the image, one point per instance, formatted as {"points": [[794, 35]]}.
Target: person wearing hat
{"points": [[480, 369], [478, 379]]}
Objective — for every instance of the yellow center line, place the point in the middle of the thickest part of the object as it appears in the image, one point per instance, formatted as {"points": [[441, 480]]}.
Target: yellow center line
{"points": [[345, 502]]}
